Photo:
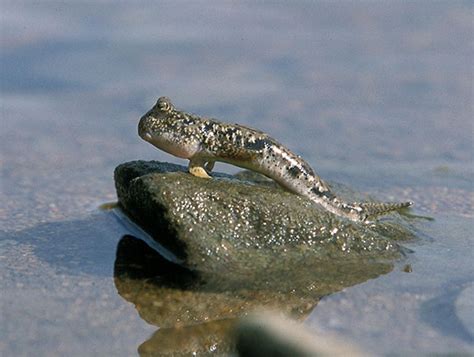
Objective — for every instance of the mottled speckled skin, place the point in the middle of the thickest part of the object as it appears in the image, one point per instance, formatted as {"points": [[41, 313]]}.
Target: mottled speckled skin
{"points": [[204, 141]]}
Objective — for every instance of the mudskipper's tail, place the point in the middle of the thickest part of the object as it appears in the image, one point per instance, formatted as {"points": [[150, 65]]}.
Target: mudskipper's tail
{"points": [[371, 209]]}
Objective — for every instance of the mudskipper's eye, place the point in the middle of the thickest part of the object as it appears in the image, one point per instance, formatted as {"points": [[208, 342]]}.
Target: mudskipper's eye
{"points": [[164, 104]]}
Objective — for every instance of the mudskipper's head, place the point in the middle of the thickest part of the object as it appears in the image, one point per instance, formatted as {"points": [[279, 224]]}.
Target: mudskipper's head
{"points": [[149, 123]]}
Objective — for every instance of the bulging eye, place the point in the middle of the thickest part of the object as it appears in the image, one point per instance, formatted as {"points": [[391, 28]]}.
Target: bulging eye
{"points": [[164, 104]]}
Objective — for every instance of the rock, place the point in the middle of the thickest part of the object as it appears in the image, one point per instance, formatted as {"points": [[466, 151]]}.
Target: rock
{"points": [[243, 243], [229, 224]]}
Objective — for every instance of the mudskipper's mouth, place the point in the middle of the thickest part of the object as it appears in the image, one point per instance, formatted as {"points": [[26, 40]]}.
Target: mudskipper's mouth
{"points": [[143, 130]]}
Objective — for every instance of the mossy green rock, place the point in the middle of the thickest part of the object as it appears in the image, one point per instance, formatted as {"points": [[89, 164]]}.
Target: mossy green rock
{"points": [[242, 223]]}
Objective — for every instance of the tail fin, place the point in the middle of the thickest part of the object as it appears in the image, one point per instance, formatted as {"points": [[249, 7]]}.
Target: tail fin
{"points": [[378, 208]]}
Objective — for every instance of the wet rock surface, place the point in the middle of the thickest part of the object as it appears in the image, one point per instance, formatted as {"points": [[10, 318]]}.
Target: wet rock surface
{"points": [[239, 223], [241, 243]]}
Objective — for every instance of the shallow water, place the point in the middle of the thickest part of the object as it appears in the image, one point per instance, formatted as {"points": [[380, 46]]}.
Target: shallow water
{"points": [[377, 96]]}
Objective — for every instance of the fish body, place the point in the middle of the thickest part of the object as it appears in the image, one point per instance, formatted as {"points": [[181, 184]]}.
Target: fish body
{"points": [[203, 141]]}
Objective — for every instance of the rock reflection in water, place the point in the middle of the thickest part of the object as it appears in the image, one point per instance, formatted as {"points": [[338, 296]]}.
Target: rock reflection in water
{"points": [[196, 313]]}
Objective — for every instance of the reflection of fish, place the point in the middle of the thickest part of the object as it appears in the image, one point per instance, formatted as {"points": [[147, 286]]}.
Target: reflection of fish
{"points": [[204, 141]]}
